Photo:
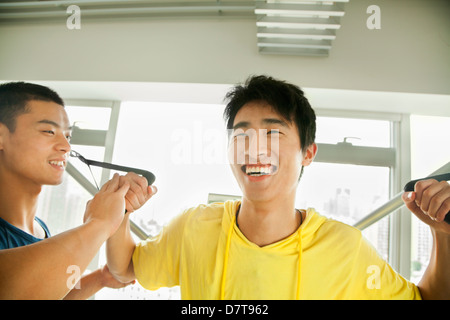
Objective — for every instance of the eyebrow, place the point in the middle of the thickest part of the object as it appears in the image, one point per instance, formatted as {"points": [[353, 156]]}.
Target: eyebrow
{"points": [[53, 123], [275, 121], [267, 121], [242, 124]]}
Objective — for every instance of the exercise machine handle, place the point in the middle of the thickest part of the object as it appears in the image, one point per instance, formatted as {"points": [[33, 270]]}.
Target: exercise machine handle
{"points": [[441, 177]]}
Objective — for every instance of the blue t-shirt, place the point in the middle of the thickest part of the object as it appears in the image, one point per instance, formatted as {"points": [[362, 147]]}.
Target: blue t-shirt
{"points": [[12, 237]]}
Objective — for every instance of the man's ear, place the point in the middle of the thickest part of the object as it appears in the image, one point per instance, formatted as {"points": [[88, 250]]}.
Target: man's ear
{"points": [[310, 154]]}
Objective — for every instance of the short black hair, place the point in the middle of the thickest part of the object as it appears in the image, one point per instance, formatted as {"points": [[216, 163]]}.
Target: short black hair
{"points": [[286, 99], [14, 97]]}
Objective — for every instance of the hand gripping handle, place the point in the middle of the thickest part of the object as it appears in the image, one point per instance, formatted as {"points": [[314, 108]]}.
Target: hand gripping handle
{"points": [[441, 177]]}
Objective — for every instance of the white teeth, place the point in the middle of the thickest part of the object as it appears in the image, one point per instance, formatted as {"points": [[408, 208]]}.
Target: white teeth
{"points": [[57, 163], [257, 171]]}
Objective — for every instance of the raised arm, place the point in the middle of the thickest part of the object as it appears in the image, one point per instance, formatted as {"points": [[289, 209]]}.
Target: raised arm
{"points": [[119, 251], [48, 269], [120, 246], [430, 202]]}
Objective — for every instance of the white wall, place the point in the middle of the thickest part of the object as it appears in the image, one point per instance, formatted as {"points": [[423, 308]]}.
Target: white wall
{"points": [[409, 54]]}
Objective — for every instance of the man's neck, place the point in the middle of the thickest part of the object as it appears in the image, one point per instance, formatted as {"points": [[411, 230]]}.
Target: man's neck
{"points": [[18, 203], [264, 223]]}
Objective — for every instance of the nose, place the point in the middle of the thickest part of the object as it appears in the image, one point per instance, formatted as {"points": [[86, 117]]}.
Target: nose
{"points": [[63, 144]]}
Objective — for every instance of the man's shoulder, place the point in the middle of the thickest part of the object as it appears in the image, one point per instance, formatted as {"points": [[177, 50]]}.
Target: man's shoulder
{"points": [[208, 215], [211, 211], [325, 227], [12, 237]]}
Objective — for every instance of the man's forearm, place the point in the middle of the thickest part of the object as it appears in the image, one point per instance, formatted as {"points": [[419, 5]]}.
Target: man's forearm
{"points": [[48, 269], [435, 283], [119, 252], [87, 286]]}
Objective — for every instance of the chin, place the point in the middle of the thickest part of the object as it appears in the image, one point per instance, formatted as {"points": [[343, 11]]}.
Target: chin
{"points": [[54, 182], [258, 195]]}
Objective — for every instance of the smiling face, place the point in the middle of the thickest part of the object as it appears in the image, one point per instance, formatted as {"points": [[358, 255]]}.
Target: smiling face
{"points": [[265, 153], [38, 148]]}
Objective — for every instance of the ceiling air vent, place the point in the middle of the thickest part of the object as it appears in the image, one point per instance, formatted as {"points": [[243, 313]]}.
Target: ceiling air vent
{"points": [[299, 27]]}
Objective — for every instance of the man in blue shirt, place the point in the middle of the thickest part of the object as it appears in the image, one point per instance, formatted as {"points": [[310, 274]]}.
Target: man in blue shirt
{"points": [[34, 147], [13, 237]]}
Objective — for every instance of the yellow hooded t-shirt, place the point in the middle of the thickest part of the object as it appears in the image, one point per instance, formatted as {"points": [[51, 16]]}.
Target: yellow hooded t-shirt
{"points": [[205, 253]]}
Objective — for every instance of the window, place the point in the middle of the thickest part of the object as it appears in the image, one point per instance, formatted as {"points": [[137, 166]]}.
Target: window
{"points": [[360, 132]]}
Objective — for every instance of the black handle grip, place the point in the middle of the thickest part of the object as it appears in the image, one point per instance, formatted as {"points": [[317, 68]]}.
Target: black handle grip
{"points": [[147, 174], [441, 177]]}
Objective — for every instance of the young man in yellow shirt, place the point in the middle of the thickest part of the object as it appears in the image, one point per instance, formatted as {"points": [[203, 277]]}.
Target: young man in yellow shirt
{"points": [[263, 247]]}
